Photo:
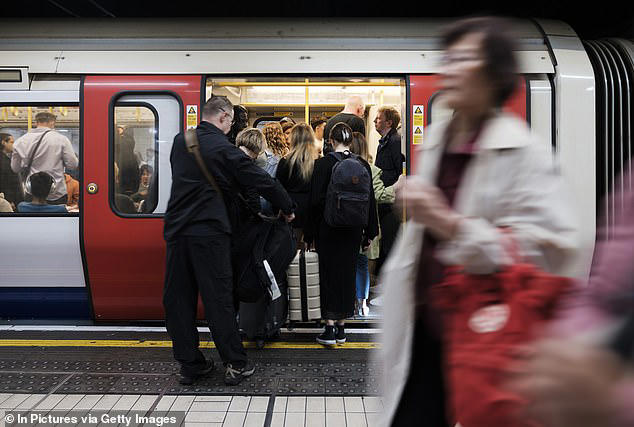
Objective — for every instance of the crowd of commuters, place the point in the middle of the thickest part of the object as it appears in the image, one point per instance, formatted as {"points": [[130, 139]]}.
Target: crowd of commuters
{"points": [[285, 168]]}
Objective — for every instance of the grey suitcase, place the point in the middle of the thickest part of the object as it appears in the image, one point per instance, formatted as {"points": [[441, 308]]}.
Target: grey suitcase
{"points": [[304, 303]]}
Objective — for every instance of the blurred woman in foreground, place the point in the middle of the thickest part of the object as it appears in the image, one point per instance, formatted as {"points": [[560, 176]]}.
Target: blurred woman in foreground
{"points": [[479, 171]]}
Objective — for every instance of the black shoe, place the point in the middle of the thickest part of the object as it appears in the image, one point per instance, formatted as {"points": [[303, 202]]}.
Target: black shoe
{"points": [[234, 376], [328, 336], [259, 343], [190, 379], [340, 337]]}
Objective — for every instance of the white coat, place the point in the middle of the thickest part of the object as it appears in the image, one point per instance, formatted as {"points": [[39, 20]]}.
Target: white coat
{"points": [[511, 181]]}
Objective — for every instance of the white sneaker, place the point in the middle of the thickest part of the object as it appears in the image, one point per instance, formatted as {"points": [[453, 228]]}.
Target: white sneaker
{"points": [[378, 301]]}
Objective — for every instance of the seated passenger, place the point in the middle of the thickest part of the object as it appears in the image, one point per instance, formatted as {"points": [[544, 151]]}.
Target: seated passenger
{"points": [[145, 177], [72, 187], [5, 207], [41, 185]]}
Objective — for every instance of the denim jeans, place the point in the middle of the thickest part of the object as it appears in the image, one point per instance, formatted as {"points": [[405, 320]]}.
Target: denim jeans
{"points": [[363, 277]]}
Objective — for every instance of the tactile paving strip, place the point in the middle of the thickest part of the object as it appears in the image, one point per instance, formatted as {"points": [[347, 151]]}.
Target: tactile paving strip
{"points": [[29, 382], [297, 378]]}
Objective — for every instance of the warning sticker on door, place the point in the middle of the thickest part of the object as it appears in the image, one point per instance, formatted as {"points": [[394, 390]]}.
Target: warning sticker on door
{"points": [[418, 115], [192, 116], [418, 134], [417, 123]]}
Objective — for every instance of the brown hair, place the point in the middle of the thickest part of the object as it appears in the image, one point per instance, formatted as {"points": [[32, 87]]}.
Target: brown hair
{"points": [[45, 117], [275, 139], [251, 138], [359, 146], [390, 113], [497, 47], [302, 154]]}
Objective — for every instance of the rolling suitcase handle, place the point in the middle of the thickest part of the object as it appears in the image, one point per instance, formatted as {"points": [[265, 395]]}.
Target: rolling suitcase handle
{"points": [[303, 287]]}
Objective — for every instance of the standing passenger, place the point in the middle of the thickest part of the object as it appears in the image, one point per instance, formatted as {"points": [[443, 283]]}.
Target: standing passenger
{"points": [[53, 155], [198, 227], [276, 147], [295, 171], [382, 194], [338, 247], [9, 181], [390, 160], [240, 122], [319, 124], [352, 115]]}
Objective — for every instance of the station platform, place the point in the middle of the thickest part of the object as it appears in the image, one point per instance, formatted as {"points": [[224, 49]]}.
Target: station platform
{"points": [[66, 370]]}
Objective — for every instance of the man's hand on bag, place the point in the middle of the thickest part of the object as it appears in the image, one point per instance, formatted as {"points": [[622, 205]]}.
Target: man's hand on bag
{"points": [[427, 205], [568, 384]]}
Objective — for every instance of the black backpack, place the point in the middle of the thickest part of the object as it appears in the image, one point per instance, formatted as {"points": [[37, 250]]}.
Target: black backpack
{"points": [[348, 194]]}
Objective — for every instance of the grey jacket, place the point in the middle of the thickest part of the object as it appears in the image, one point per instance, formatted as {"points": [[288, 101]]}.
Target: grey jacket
{"points": [[512, 181], [53, 155]]}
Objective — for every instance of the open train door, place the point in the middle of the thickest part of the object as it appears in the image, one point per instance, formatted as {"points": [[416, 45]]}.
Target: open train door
{"points": [[129, 123], [425, 104]]}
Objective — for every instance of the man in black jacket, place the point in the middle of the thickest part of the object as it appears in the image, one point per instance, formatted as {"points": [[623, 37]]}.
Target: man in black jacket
{"points": [[388, 154], [390, 160], [198, 227]]}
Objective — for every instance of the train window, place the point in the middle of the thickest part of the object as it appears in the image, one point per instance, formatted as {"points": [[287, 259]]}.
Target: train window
{"points": [[306, 98], [134, 158], [58, 156]]}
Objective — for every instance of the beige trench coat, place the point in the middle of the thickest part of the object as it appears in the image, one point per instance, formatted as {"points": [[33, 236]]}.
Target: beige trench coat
{"points": [[512, 181]]}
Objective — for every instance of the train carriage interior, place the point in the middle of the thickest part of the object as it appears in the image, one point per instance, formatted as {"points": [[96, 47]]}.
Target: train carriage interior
{"points": [[304, 99]]}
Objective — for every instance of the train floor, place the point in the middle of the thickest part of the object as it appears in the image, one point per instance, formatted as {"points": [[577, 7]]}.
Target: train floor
{"points": [[49, 373]]}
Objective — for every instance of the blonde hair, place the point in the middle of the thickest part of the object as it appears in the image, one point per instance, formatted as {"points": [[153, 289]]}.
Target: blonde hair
{"points": [[359, 145], [302, 154], [275, 139], [251, 138]]}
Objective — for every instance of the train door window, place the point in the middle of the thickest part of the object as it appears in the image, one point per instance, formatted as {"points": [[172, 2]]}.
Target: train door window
{"points": [[135, 147], [305, 99], [57, 156]]}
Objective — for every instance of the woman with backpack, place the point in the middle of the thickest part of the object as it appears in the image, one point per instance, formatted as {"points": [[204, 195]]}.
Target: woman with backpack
{"points": [[295, 170], [382, 194], [342, 220]]}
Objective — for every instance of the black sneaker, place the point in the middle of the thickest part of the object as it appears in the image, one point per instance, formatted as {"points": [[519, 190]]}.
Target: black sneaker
{"points": [[234, 376], [259, 343], [328, 336], [340, 337], [190, 379]]}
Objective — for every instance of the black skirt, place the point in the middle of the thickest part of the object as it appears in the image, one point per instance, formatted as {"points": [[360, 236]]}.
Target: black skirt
{"points": [[338, 249]]}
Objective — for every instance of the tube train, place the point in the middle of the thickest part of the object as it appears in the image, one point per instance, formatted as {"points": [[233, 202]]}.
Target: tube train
{"points": [[104, 263]]}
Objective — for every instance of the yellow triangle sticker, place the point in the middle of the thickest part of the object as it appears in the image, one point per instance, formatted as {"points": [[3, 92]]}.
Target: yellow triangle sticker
{"points": [[191, 110], [418, 111], [417, 131]]}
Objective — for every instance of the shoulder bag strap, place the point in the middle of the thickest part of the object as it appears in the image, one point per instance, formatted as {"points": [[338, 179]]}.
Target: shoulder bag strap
{"points": [[193, 146], [39, 141]]}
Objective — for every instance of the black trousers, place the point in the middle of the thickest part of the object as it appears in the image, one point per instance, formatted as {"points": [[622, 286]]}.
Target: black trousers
{"points": [[201, 264], [423, 400], [390, 224]]}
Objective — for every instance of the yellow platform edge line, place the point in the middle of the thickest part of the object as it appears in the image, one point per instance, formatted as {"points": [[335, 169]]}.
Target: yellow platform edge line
{"points": [[164, 344]]}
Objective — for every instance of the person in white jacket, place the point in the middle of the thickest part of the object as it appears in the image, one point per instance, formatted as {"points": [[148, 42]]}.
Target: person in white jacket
{"points": [[480, 171]]}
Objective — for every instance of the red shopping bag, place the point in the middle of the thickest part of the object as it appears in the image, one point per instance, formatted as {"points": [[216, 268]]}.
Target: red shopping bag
{"points": [[486, 318]]}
